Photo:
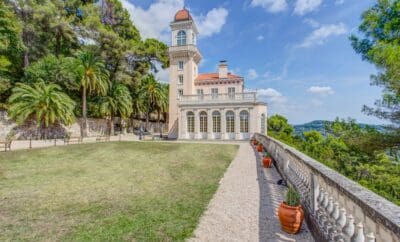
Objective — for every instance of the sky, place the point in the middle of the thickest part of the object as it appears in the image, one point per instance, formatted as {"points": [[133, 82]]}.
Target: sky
{"points": [[295, 53]]}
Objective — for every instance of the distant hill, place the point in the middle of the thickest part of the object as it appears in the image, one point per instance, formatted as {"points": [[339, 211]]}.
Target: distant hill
{"points": [[319, 125]]}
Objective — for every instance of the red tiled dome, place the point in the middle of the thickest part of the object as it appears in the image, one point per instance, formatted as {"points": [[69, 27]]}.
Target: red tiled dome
{"points": [[183, 15]]}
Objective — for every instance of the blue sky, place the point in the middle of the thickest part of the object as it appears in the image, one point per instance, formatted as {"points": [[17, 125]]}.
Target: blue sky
{"points": [[295, 52]]}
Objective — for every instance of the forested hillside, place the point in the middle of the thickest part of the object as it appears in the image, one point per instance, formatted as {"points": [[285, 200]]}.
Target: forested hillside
{"points": [[65, 59]]}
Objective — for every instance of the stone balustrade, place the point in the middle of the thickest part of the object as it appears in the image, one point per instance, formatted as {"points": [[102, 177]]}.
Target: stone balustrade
{"points": [[336, 208]]}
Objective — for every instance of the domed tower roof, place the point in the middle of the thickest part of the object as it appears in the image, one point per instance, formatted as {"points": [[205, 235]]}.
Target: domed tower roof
{"points": [[182, 15]]}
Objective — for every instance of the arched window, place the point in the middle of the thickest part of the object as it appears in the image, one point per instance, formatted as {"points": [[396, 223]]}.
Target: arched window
{"points": [[216, 117], [181, 38], [203, 122], [230, 122], [244, 121], [190, 122]]}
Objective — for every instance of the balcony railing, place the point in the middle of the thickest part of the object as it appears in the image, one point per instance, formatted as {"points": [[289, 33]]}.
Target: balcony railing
{"points": [[337, 208], [219, 98]]}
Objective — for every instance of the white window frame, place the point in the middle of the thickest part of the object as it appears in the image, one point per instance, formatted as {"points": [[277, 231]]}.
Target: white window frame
{"points": [[214, 93], [181, 65], [181, 38], [203, 122], [244, 121], [190, 122], [231, 92], [180, 79], [216, 118], [230, 122]]}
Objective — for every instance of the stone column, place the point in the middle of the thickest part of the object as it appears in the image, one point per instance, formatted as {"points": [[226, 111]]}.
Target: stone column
{"points": [[251, 126], [223, 123], [209, 124], [197, 134], [182, 125], [237, 124]]}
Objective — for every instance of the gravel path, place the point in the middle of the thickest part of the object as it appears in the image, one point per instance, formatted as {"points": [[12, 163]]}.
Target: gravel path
{"points": [[244, 206]]}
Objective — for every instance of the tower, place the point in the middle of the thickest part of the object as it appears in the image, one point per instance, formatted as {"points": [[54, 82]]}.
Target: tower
{"points": [[184, 59]]}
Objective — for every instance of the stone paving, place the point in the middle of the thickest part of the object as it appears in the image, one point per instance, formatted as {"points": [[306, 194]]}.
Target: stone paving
{"points": [[245, 204]]}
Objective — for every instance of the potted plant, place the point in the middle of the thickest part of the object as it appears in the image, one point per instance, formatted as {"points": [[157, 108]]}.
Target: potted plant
{"points": [[290, 212], [267, 160], [259, 147], [254, 141]]}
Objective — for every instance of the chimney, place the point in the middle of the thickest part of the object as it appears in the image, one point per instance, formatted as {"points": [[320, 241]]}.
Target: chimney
{"points": [[223, 69]]}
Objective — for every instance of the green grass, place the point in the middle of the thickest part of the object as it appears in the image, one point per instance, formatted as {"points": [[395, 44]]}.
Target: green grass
{"points": [[109, 191]]}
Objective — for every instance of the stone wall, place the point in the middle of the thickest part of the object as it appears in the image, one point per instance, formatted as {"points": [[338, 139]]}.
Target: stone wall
{"points": [[96, 127], [337, 208]]}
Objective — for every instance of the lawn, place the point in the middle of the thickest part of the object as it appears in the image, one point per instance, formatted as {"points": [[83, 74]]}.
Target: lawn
{"points": [[109, 191]]}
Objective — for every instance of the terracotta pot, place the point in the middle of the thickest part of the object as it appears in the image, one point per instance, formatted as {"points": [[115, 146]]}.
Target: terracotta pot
{"points": [[259, 148], [267, 161], [290, 217]]}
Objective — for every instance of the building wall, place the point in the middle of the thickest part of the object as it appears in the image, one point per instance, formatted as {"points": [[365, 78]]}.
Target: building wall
{"points": [[256, 122], [222, 88]]}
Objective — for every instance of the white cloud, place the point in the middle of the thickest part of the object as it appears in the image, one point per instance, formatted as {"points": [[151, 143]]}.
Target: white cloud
{"points": [[321, 90], [319, 35], [212, 23], [260, 37], [252, 74], [314, 24], [305, 6], [153, 22], [272, 6]]}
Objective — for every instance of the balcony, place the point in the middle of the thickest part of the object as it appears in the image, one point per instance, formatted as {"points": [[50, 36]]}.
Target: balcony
{"points": [[336, 208], [245, 97]]}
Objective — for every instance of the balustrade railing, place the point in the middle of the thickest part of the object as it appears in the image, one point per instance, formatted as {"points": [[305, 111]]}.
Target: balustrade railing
{"points": [[337, 208], [219, 98]]}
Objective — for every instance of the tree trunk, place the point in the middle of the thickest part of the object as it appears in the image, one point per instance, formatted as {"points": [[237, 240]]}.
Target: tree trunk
{"points": [[158, 120], [26, 58], [84, 114], [58, 44]]}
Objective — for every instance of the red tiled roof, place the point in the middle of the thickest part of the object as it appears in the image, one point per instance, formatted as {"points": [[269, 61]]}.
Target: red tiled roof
{"points": [[215, 76], [183, 15]]}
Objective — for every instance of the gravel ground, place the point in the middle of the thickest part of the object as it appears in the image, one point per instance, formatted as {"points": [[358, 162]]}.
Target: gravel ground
{"points": [[244, 206]]}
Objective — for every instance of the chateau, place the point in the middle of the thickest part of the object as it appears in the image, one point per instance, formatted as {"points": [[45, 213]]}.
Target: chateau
{"points": [[211, 106]]}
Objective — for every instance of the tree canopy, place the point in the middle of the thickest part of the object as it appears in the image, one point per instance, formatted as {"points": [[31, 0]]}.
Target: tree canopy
{"points": [[89, 49]]}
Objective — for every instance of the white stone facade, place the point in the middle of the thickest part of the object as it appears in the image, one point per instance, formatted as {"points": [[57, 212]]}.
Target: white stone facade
{"points": [[210, 106]]}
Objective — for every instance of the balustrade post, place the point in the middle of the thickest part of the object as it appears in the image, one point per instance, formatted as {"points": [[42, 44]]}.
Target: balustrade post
{"points": [[359, 234], [348, 229]]}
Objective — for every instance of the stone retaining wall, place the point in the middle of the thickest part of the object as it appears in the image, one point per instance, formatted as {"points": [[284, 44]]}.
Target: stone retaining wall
{"points": [[338, 209], [96, 127]]}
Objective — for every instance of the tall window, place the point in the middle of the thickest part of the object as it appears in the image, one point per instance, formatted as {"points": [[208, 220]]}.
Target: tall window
{"points": [[214, 93], [180, 93], [244, 121], [230, 122], [190, 122], [231, 92], [203, 122], [180, 79], [216, 117], [181, 38], [180, 65], [194, 38], [200, 94]]}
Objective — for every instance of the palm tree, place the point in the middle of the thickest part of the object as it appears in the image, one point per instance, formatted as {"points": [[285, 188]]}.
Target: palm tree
{"points": [[162, 105], [93, 79], [152, 95], [117, 102], [46, 103], [63, 33]]}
